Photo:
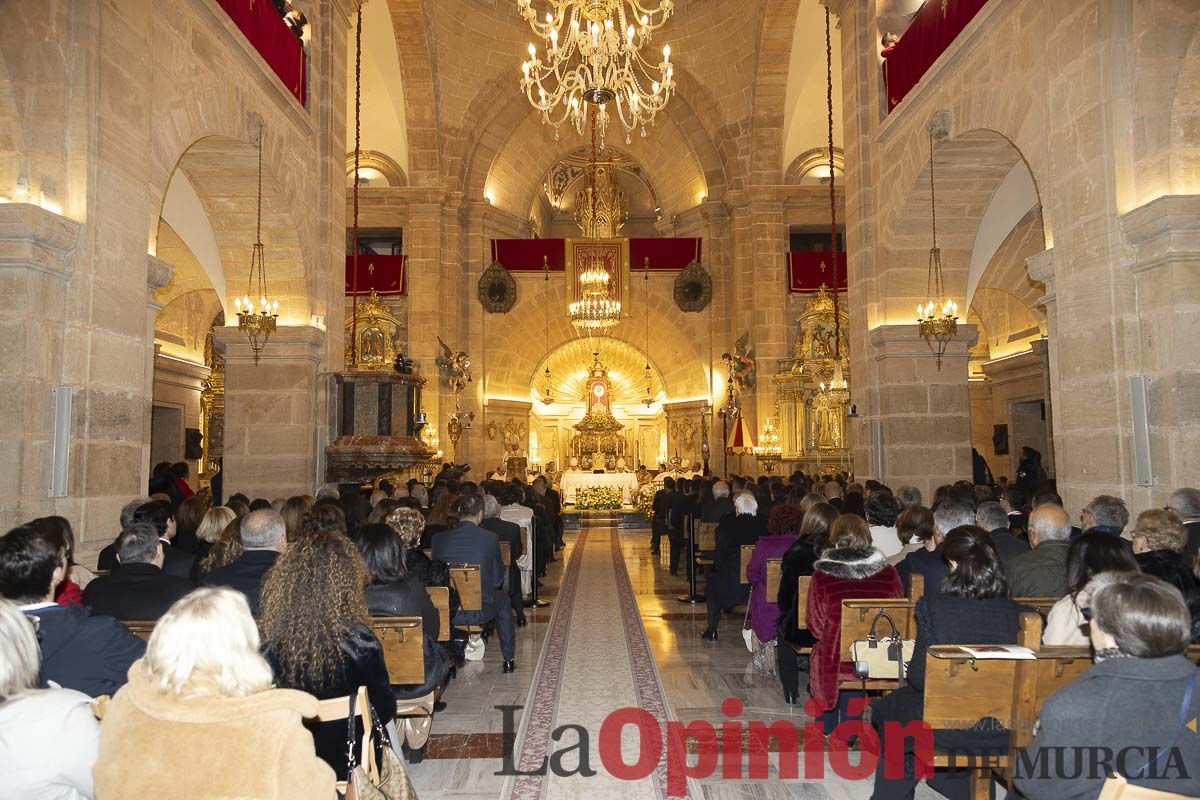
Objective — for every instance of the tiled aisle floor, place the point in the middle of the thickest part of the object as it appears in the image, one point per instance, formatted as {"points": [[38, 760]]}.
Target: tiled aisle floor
{"points": [[697, 677]]}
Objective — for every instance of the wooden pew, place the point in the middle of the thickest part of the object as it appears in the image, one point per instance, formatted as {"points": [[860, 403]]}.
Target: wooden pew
{"points": [[959, 690], [505, 554], [858, 616], [706, 535], [403, 641], [467, 580], [440, 595], [337, 708], [744, 557], [141, 628], [774, 576]]}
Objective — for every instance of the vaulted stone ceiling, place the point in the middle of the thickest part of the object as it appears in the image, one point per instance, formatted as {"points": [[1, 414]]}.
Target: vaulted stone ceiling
{"points": [[751, 97]]}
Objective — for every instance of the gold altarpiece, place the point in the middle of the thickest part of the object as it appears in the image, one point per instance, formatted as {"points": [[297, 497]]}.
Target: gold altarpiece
{"points": [[813, 427]]}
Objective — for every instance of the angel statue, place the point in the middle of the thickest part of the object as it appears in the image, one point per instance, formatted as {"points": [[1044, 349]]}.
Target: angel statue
{"points": [[741, 362], [455, 367]]}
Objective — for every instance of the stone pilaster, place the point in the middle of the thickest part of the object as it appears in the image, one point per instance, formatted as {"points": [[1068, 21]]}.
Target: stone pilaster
{"points": [[925, 412], [1165, 235], [36, 249], [271, 412]]}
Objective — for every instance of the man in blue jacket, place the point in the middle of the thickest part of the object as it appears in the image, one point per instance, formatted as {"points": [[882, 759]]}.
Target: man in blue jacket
{"points": [[467, 543], [89, 654]]}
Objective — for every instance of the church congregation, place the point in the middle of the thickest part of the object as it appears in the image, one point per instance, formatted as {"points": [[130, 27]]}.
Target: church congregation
{"points": [[599, 399]]}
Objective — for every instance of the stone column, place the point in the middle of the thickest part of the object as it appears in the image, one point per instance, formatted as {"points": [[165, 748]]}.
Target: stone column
{"points": [[1041, 348], [271, 412], [925, 412], [1165, 234], [1041, 269], [35, 265]]}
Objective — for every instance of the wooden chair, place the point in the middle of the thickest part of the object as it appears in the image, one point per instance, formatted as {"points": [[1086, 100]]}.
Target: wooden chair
{"points": [[1117, 788], [440, 595], [338, 708], [744, 559], [468, 581], [774, 576], [706, 536], [505, 554], [403, 641], [141, 628], [960, 689]]}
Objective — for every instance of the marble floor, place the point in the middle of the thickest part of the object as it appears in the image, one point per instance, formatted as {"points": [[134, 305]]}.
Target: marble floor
{"points": [[592, 670]]}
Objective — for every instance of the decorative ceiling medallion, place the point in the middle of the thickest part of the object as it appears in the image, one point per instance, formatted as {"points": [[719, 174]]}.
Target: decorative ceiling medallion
{"points": [[497, 290], [693, 288]]}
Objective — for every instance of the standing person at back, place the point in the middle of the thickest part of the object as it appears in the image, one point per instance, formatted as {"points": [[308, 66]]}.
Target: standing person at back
{"points": [[467, 543], [264, 537]]}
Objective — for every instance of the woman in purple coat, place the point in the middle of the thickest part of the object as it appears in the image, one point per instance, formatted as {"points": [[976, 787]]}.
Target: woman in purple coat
{"points": [[783, 526]]}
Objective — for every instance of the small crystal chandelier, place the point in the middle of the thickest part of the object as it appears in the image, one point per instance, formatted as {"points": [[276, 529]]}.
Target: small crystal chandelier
{"points": [[595, 313], [257, 325], [837, 388], [770, 445], [599, 62], [937, 318]]}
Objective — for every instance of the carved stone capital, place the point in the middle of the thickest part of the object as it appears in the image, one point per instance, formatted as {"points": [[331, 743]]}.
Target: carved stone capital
{"points": [[33, 238]]}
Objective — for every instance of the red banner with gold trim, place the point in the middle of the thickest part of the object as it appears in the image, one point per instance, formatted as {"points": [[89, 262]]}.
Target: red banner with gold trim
{"points": [[383, 274], [933, 29], [808, 272]]}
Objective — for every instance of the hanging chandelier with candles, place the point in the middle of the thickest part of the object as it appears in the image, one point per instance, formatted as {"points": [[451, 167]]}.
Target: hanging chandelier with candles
{"points": [[595, 313], [593, 54], [257, 323], [837, 388], [937, 317]]}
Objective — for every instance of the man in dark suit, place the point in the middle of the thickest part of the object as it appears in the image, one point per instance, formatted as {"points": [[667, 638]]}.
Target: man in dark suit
{"points": [[468, 543], [719, 506], [159, 514], [507, 532], [991, 517], [1013, 500], [553, 503], [264, 537], [1105, 514], [928, 562], [1186, 504], [137, 588], [89, 654], [661, 521]]}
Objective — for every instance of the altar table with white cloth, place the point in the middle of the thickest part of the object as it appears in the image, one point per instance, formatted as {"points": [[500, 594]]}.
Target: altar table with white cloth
{"points": [[572, 482]]}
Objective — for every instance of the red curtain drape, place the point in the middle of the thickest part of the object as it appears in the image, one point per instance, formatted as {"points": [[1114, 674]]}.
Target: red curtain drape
{"points": [[664, 254], [383, 274], [526, 255], [808, 272], [932, 30], [265, 29]]}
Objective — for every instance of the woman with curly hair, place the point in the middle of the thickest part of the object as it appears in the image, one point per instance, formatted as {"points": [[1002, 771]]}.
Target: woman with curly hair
{"points": [[317, 635], [228, 546]]}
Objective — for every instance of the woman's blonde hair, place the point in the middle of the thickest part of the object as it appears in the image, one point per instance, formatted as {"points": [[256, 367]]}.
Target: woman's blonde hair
{"points": [[1161, 530], [207, 645], [214, 522], [20, 658], [408, 525]]}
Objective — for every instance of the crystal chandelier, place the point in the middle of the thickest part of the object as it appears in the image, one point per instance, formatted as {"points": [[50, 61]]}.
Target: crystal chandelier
{"points": [[770, 446], [257, 325], [937, 318], [599, 61], [595, 313], [837, 388]]}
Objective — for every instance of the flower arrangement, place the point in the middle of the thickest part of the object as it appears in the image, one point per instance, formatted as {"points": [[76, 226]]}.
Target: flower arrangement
{"points": [[598, 497], [645, 501]]}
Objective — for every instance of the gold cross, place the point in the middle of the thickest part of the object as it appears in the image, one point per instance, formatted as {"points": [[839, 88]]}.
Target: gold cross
{"points": [[371, 269], [822, 266], [944, 4]]}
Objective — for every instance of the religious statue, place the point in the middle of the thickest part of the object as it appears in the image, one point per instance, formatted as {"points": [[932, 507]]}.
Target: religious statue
{"points": [[741, 362], [455, 367], [380, 337], [827, 423]]}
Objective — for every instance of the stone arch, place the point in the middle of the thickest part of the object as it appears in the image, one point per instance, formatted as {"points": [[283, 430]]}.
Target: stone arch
{"points": [[770, 89], [499, 108], [391, 170], [224, 173], [1184, 166], [625, 361], [968, 170], [218, 111], [516, 349], [419, 72], [811, 159]]}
